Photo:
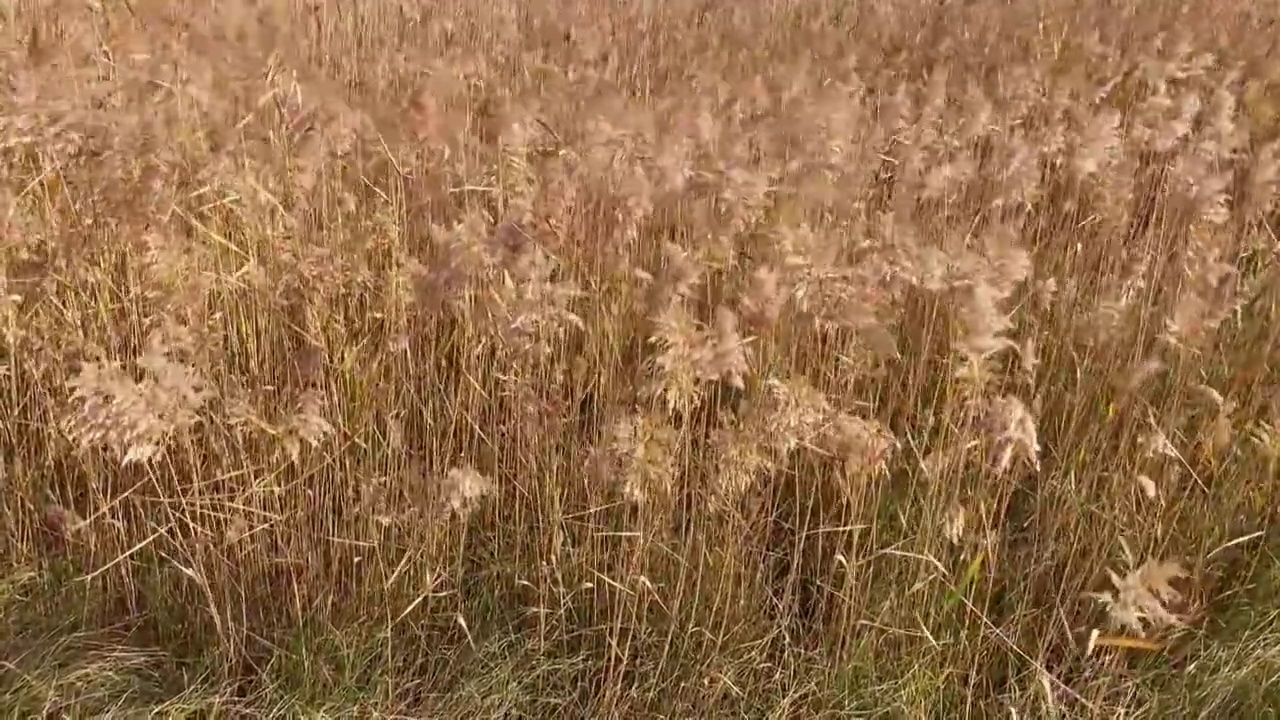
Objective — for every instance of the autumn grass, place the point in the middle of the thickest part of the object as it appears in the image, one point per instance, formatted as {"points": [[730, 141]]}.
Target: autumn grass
{"points": [[560, 359]]}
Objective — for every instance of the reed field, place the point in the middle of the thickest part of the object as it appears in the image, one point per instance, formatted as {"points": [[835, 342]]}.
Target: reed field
{"points": [[612, 359]]}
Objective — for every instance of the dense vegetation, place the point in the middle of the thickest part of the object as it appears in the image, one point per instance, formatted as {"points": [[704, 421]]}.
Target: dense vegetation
{"points": [[631, 359]]}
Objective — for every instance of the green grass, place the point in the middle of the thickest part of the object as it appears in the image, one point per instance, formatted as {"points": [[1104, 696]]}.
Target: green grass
{"points": [[56, 665]]}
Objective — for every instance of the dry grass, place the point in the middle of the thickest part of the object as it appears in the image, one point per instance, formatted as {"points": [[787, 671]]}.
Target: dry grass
{"points": [[553, 359]]}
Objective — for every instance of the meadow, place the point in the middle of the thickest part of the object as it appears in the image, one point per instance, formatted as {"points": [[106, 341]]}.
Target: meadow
{"points": [[782, 359]]}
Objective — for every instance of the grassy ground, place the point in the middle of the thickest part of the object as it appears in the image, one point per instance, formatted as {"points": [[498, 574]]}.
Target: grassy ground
{"points": [[619, 360]]}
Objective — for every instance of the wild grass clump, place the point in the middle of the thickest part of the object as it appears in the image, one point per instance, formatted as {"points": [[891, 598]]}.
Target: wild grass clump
{"points": [[613, 359]]}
